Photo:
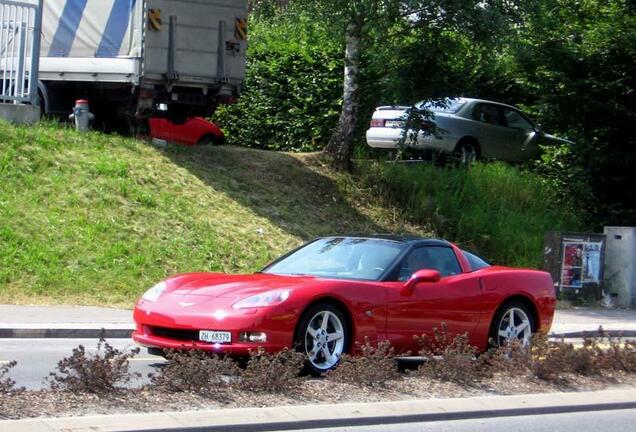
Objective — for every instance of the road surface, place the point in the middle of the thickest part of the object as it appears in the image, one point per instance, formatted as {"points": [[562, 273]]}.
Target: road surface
{"points": [[605, 421], [38, 357]]}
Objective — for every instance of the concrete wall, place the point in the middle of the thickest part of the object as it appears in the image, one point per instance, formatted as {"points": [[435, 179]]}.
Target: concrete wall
{"points": [[17, 113], [620, 264]]}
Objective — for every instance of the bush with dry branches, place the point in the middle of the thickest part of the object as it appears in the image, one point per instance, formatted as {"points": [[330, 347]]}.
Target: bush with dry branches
{"points": [[272, 373], [7, 385], [451, 358], [374, 365], [100, 372], [197, 372]]}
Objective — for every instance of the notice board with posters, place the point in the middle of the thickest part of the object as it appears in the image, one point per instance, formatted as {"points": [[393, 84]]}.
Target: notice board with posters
{"points": [[575, 261]]}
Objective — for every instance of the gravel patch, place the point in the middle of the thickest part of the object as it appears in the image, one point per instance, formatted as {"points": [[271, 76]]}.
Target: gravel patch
{"points": [[49, 403]]}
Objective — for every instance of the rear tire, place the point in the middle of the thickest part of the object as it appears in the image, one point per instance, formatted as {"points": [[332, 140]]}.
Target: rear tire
{"points": [[467, 151], [210, 139], [512, 321], [323, 342]]}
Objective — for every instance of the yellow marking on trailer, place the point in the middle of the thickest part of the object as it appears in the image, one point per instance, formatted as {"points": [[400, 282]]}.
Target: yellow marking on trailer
{"points": [[154, 19], [240, 29]]}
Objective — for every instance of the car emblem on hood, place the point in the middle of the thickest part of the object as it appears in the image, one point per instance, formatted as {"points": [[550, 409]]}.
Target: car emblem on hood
{"points": [[185, 304]]}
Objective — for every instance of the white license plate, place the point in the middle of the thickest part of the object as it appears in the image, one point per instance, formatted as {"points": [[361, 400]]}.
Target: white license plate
{"points": [[394, 124], [215, 336]]}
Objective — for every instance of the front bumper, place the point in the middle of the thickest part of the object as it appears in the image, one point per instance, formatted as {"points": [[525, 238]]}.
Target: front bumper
{"points": [[238, 349], [167, 329]]}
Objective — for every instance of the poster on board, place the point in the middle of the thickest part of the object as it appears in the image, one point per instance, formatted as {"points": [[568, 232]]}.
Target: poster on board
{"points": [[581, 263]]}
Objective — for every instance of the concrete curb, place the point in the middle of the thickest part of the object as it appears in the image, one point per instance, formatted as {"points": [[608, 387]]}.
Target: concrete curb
{"points": [[65, 333], [313, 416]]}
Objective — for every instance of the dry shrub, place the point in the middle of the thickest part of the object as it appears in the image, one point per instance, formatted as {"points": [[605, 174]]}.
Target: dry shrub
{"points": [[621, 355], [7, 385], [544, 359], [451, 359], [373, 367], [197, 372], [554, 360], [272, 373], [99, 373]]}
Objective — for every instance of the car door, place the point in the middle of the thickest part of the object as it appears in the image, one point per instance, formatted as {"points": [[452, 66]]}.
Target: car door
{"points": [[522, 143], [454, 300]]}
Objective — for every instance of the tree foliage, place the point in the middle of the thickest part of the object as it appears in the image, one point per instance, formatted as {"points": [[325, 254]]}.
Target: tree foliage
{"points": [[576, 63], [291, 97]]}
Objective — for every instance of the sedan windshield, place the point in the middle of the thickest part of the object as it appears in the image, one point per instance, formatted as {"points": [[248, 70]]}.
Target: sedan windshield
{"points": [[340, 258]]}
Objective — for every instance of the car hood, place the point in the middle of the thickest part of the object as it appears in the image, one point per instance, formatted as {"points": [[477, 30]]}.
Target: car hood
{"points": [[213, 285]]}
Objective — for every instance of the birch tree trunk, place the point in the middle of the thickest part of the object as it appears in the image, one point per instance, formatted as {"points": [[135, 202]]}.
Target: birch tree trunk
{"points": [[340, 144]]}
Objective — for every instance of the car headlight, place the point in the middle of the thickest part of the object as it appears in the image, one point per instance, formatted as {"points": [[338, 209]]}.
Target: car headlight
{"points": [[268, 298], [152, 295]]}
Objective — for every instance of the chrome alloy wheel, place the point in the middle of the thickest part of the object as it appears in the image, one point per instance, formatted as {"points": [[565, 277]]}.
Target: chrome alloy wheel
{"points": [[324, 340], [514, 324]]}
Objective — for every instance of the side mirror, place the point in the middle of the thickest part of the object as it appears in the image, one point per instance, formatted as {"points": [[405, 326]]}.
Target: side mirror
{"points": [[420, 276]]}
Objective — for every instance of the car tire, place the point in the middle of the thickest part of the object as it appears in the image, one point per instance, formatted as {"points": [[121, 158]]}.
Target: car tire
{"points": [[522, 328], [322, 343], [467, 151], [209, 139]]}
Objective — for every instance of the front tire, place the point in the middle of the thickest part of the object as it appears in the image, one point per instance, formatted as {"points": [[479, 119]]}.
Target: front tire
{"points": [[513, 321], [467, 151], [323, 336]]}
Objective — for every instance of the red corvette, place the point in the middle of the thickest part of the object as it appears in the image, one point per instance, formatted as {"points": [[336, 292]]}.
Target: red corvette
{"points": [[333, 292], [195, 130]]}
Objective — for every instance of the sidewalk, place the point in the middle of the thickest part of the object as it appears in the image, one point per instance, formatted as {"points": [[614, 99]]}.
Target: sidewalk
{"points": [[87, 322], [64, 322], [574, 323], [340, 415]]}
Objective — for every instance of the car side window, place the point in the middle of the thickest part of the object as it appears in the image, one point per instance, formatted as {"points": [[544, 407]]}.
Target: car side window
{"points": [[476, 262], [516, 120], [490, 113], [438, 258]]}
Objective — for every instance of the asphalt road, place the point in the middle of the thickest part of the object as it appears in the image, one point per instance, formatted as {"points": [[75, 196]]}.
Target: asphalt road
{"points": [[606, 421], [38, 357]]}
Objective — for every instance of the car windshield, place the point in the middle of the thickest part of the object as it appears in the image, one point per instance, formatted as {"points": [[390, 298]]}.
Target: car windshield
{"points": [[448, 105], [340, 258]]}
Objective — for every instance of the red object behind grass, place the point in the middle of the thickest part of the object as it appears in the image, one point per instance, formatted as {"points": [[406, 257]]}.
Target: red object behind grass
{"points": [[195, 130]]}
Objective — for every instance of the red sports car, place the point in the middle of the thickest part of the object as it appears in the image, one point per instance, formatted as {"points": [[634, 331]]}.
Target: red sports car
{"points": [[195, 130], [327, 295]]}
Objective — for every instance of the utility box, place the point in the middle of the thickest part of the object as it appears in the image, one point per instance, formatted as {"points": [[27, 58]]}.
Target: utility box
{"points": [[575, 261], [620, 265]]}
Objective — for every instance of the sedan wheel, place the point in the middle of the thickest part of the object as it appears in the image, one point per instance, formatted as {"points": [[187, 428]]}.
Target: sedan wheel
{"points": [[514, 323], [467, 153], [324, 338]]}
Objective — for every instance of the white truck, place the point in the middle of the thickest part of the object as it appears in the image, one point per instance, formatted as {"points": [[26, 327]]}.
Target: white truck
{"points": [[136, 58]]}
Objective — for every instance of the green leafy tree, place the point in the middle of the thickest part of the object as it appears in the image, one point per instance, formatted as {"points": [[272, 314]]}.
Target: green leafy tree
{"points": [[291, 95], [576, 62]]}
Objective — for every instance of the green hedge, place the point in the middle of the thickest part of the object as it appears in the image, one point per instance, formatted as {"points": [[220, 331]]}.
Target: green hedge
{"points": [[293, 87]]}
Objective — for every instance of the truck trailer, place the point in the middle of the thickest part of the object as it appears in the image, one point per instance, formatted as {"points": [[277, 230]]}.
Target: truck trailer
{"points": [[140, 58]]}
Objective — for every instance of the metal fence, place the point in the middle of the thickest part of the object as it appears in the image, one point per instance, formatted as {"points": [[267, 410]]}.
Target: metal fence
{"points": [[20, 32]]}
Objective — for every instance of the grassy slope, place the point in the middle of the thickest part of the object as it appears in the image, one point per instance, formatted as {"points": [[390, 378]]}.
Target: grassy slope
{"points": [[496, 210], [96, 219]]}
